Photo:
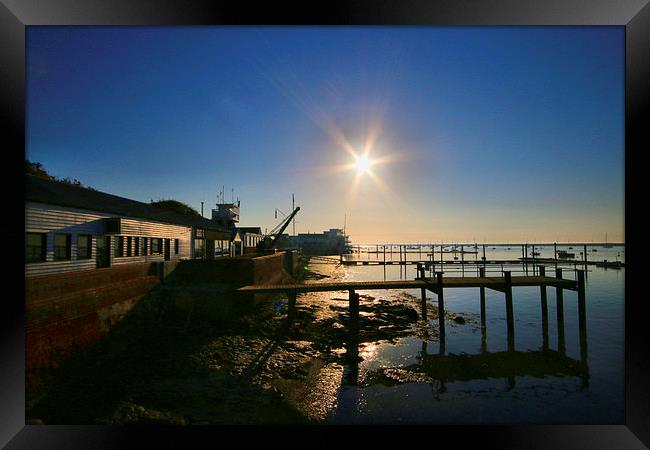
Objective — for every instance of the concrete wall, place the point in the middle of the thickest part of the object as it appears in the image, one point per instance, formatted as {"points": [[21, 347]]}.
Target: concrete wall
{"points": [[239, 271]]}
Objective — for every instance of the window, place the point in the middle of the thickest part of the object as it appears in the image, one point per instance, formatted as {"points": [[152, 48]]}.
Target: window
{"points": [[156, 246], [35, 247], [61, 247], [84, 246], [144, 246], [129, 241], [198, 248], [175, 246], [137, 246], [119, 246]]}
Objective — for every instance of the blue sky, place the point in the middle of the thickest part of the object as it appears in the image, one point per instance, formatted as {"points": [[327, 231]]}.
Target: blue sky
{"points": [[493, 133]]}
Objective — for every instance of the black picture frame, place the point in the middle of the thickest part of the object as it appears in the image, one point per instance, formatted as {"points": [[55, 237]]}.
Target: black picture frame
{"points": [[16, 15]]}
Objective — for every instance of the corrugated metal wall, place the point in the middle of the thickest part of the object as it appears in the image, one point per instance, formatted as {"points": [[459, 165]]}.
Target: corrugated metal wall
{"points": [[50, 219]]}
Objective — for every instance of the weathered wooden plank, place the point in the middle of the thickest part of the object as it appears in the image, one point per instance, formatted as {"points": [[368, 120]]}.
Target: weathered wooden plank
{"points": [[427, 283]]}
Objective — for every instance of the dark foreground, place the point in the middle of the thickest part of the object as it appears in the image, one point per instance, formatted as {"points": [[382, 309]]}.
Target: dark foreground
{"points": [[198, 355]]}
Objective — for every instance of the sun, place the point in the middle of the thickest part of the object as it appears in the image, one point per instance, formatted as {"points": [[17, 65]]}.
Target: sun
{"points": [[362, 164]]}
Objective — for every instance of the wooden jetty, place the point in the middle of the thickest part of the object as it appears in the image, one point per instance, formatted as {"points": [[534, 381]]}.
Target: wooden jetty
{"points": [[438, 284]]}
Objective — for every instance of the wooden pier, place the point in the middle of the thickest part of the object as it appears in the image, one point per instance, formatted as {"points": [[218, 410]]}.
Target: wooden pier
{"points": [[438, 284]]}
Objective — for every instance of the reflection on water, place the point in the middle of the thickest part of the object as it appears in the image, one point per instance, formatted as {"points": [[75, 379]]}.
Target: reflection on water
{"points": [[556, 371]]}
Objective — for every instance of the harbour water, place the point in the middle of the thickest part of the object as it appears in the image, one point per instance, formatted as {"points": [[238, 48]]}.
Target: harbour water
{"points": [[473, 379]]}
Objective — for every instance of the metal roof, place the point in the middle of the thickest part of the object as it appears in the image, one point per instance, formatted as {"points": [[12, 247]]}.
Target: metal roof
{"points": [[49, 192]]}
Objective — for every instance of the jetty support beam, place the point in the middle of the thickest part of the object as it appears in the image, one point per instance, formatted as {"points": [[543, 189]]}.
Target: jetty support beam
{"points": [[441, 311], [291, 305], [542, 289], [483, 313], [582, 316], [559, 294], [354, 309], [509, 310]]}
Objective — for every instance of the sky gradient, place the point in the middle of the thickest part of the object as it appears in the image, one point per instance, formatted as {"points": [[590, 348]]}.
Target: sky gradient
{"points": [[487, 134]]}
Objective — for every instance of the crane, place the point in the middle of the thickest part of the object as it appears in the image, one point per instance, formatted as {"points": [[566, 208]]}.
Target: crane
{"points": [[269, 241]]}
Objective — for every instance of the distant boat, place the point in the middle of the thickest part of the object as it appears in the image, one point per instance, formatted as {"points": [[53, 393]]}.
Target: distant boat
{"points": [[594, 250], [534, 253], [565, 254], [570, 248]]}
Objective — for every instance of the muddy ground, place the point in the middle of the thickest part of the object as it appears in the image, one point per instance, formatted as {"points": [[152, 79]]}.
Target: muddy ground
{"points": [[201, 356]]}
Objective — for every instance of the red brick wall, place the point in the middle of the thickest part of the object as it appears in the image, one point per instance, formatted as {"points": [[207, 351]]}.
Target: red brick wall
{"points": [[63, 311]]}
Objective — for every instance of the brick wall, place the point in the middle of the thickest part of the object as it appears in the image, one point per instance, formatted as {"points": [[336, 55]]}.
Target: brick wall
{"points": [[63, 311]]}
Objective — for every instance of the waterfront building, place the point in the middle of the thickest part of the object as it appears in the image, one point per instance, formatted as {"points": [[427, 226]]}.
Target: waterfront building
{"points": [[243, 240], [70, 228], [330, 242]]}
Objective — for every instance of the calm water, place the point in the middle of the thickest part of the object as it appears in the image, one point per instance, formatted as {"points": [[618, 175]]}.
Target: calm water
{"points": [[464, 383]]}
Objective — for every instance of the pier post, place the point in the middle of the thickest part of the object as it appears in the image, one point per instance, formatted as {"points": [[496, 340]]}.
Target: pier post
{"points": [[542, 288], [559, 293], [582, 316], [424, 304], [509, 310], [554, 250], [354, 309], [483, 314], [441, 311], [291, 305]]}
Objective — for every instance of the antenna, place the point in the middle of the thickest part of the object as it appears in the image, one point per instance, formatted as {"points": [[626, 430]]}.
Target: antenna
{"points": [[293, 208]]}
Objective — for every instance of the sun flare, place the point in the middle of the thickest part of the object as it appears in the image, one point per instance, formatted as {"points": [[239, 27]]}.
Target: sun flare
{"points": [[362, 164]]}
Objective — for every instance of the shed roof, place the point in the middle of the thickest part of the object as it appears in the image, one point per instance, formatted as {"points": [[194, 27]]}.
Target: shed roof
{"points": [[49, 192]]}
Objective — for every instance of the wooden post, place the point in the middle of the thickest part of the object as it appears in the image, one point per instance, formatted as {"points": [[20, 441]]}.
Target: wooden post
{"points": [[354, 309], [509, 310], [555, 250], [582, 316], [542, 273], [424, 304], [559, 293], [291, 305], [483, 314], [441, 311]]}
